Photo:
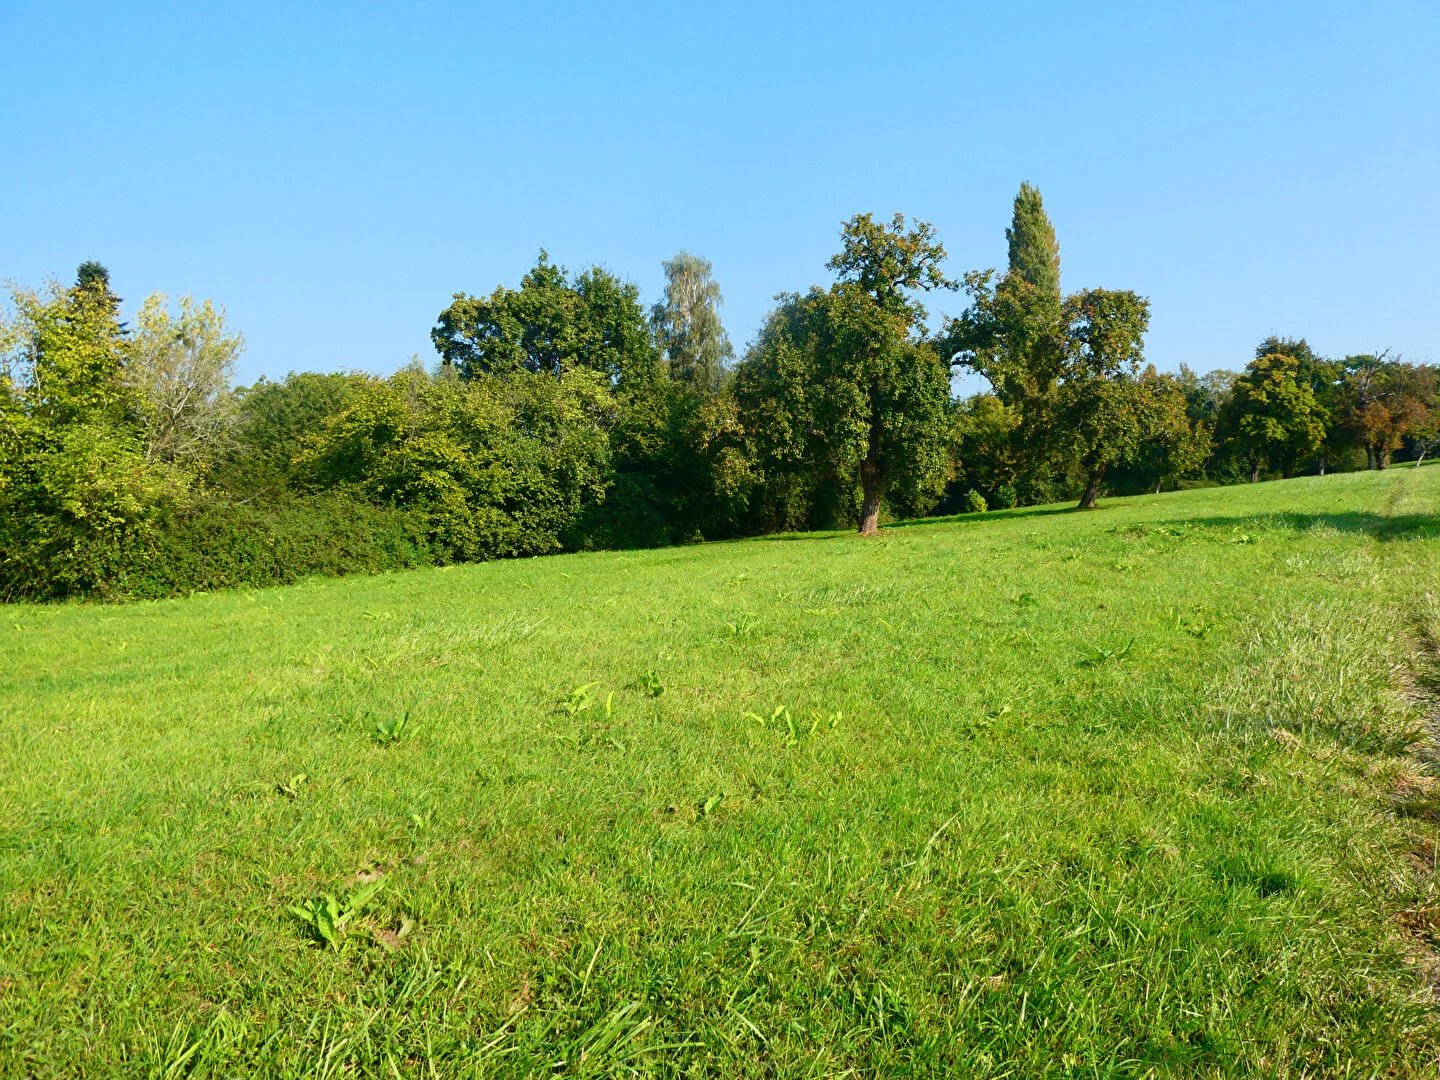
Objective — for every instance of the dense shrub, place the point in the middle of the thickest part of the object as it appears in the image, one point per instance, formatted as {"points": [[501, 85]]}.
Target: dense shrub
{"points": [[497, 466], [219, 543]]}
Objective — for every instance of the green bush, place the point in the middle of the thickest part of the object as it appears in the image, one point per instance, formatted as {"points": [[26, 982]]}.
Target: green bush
{"points": [[975, 502], [498, 466], [1004, 497], [220, 544]]}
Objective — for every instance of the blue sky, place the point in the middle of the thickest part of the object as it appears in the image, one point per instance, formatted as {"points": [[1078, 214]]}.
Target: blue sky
{"points": [[333, 175]]}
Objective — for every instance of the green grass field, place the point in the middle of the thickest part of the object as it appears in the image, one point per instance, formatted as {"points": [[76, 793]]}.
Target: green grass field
{"points": [[1125, 793]]}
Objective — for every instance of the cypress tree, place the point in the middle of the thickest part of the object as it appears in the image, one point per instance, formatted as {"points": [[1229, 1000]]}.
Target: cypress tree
{"points": [[1034, 252]]}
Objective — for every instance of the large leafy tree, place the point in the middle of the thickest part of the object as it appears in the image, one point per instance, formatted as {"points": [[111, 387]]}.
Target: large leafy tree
{"points": [[272, 421], [1013, 331], [77, 497], [71, 355], [884, 387], [844, 379], [1382, 401], [1034, 253], [550, 325], [183, 364], [1101, 405], [1274, 416], [1174, 444], [687, 323]]}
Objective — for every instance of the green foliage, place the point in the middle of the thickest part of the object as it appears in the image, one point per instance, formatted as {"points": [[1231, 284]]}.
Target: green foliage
{"points": [[563, 417], [327, 917], [975, 502], [1105, 412], [273, 420], [69, 354], [393, 729], [1034, 253], [77, 493], [1174, 446], [496, 466], [182, 367], [842, 387], [1273, 414], [687, 324], [1379, 402], [216, 542], [550, 325]]}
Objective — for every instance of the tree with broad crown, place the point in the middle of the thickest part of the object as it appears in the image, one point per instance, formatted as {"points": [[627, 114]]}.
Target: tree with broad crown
{"points": [[1380, 402], [844, 379], [886, 389], [72, 355], [1174, 444], [550, 325], [1013, 332], [1273, 414], [1101, 404]]}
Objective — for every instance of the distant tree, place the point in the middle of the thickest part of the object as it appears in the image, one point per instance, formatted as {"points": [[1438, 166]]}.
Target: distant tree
{"points": [[1101, 405], [183, 366], [843, 387], [884, 390], [272, 422], [69, 355], [776, 391], [987, 451], [1382, 401], [1034, 253], [550, 325], [1013, 331], [77, 497], [1173, 445], [94, 278], [1273, 416], [1207, 394], [687, 324], [1425, 434]]}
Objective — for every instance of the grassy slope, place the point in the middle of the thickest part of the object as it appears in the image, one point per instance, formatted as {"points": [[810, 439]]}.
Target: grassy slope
{"points": [[1011, 854]]}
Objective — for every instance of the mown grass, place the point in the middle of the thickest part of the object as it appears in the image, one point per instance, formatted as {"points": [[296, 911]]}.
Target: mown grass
{"points": [[1133, 792]]}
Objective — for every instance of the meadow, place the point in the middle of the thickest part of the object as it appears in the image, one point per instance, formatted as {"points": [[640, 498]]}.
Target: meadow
{"points": [[1143, 791]]}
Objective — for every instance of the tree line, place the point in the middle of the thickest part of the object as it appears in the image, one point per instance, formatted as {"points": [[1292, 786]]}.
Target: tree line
{"points": [[564, 415]]}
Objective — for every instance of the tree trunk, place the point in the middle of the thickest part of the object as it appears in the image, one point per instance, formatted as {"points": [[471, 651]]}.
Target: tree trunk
{"points": [[1369, 457], [1382, 459], [1419, 459], [872, 485], [1255, 471], [1092, 488], [1322, 466], [1158, 484]]}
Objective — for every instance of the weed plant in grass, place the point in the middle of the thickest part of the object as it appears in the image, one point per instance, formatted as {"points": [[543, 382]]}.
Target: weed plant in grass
{"points": [[1034, 792]]}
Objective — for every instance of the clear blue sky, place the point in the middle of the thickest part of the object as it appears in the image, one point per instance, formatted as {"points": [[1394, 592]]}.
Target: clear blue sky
{"points": [[333, 174]]}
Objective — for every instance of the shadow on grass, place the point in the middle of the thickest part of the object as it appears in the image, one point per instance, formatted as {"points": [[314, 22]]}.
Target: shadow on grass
{"points": [[948, 519], [1381, 527], [991, 515]]}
